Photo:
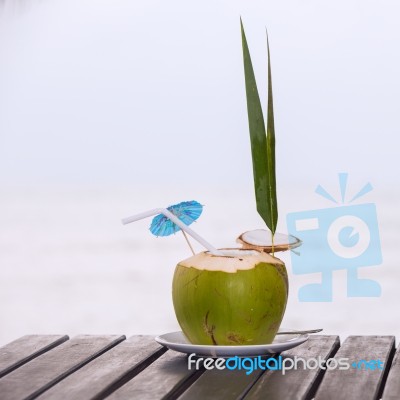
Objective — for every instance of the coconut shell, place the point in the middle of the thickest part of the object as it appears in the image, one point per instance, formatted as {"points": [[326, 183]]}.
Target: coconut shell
{"points": [[218, 307], [261, 240]]}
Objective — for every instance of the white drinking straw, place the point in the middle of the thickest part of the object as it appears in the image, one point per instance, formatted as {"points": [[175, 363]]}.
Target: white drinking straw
{"points": [[176, 221]]}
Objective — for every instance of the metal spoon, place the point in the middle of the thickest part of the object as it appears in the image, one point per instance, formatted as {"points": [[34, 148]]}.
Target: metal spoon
{"points": [[299, 332]]}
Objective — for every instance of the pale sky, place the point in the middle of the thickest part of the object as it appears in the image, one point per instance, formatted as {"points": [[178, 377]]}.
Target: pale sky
{"points": [[125, 92]]}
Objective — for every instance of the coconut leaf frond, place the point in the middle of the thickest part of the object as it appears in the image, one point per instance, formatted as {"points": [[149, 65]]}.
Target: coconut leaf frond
{"points": [[262, 141]]}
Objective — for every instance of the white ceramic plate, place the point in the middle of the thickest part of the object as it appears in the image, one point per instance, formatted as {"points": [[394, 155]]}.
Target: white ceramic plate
{"points": [[178, 342]]}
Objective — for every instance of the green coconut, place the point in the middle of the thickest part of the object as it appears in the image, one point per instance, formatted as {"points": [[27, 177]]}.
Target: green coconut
{"points": [[235, 299]]}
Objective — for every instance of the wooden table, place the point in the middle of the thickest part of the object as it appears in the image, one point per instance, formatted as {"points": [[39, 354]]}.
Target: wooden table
{"points": [[113, 367]]}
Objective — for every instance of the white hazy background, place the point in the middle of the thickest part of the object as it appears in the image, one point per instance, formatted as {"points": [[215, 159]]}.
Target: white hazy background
{"points": [[112, 107]]}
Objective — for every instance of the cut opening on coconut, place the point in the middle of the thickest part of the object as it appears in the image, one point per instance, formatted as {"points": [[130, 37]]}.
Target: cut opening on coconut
{"points": [[232, 261], [263, 240], [236, 253]]}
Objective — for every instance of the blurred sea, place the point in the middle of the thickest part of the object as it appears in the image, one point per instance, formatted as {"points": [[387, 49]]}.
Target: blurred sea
{"points": [[68, 265]]}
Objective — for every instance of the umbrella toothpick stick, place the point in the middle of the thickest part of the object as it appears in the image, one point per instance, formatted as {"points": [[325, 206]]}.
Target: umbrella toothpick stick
{"points": [[187, 241], [178, 222]]}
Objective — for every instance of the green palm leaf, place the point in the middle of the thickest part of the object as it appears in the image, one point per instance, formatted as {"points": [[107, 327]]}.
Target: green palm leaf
{"points": [[262, 141]]}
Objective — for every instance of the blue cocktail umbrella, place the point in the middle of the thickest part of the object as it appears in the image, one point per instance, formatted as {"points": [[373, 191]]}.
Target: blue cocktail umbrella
{"points": [[186, 211]]}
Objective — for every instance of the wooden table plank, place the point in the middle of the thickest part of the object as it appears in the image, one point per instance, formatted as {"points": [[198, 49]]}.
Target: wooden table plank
{"points": [[354, 383], [392, 387], [107, 372], [221, 384], [166, 377], [296, 384], [20, 351], [33, 378]]}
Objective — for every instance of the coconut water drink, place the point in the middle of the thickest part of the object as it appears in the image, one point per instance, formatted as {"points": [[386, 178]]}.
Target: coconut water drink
{"points": [[238, 298]]}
